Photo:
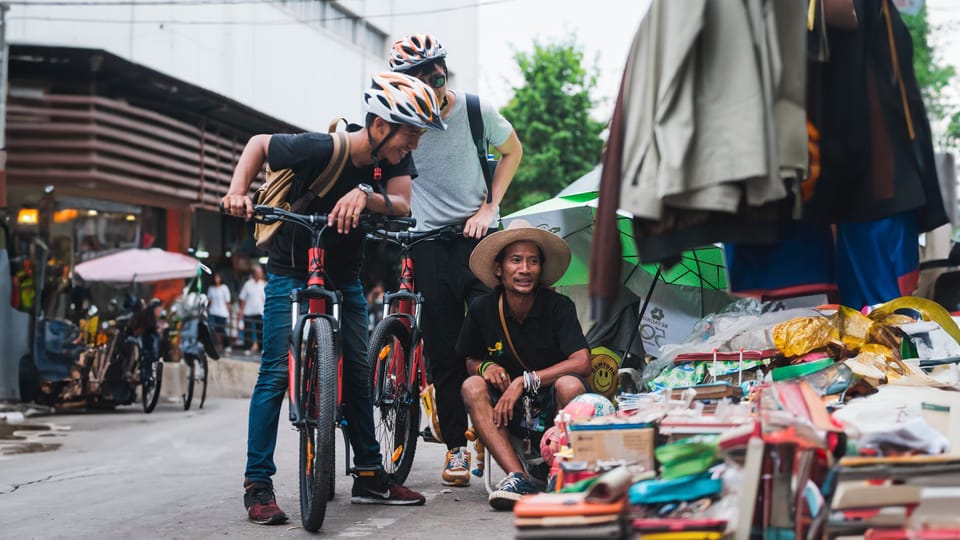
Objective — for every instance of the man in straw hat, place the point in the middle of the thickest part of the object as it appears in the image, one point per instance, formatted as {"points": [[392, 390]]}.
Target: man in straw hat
{"points": [[525, 350]]}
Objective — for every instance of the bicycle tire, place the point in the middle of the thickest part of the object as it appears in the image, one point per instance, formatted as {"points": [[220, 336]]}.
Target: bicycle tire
{"points": [[132, 355], [318, 396], [150, 388], [396, 402], [202, 378], [191, 371]]}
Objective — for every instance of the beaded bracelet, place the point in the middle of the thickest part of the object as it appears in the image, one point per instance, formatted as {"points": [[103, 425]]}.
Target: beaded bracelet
{"points": [[531, 382]]}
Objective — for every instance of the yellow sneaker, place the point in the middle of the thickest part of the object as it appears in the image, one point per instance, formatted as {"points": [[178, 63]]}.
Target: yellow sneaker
{"points": [[456, 468]]}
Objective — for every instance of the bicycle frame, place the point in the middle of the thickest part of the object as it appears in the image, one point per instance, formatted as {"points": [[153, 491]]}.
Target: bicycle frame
{"points": [[409, 303], [321, 302]]}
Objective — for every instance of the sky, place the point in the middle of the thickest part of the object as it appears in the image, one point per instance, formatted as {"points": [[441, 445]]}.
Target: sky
{"points": [[605, 28]]}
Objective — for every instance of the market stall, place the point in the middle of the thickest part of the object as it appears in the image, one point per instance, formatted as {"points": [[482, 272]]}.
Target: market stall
{"points": [[802, 423]]}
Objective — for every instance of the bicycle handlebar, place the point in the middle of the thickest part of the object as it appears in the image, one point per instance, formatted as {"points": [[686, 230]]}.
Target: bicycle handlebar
{"points": [[410, 237], [271, 214]]}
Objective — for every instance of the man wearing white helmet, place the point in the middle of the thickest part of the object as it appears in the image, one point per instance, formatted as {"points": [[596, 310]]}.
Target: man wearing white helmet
{"points": [[376, 178], [452, 189]]}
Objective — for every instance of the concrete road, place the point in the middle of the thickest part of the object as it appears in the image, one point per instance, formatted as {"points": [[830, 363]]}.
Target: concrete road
{"points": [[176, 474]]}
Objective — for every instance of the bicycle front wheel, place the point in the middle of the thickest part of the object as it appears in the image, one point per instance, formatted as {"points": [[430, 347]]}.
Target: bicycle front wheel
{"points": [[201, 377], [191, 364], [318, 405], [150, 385], [396, 399]]}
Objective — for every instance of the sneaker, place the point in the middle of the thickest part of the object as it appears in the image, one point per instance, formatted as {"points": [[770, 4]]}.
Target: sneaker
{"points": [[262, 505], [456, 468], [511, 488], [376, 489]]}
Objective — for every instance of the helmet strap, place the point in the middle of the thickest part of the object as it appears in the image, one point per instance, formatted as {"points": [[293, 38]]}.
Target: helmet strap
{"points": [[375, 149]]}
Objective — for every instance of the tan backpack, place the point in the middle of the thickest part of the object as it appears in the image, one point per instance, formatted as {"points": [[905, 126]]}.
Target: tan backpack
{"points": [[276, 190]]}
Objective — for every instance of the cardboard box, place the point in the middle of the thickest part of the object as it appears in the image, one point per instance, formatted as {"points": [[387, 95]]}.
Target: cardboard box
{"points": [[606, 442]]}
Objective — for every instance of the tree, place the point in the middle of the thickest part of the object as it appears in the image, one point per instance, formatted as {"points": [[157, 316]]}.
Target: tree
{"points": [[932, 76], [551, 114]]}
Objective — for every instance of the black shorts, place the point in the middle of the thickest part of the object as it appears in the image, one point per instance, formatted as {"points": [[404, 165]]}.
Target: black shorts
{"points": [[543, 407]]}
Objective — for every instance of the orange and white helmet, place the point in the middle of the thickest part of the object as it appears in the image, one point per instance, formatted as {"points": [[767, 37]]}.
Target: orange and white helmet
{"points": [[402, 99], [411, 51]]}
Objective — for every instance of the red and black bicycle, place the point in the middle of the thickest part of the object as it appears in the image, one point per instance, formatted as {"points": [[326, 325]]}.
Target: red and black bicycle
{"points": [[397, 370], [315, 363]]}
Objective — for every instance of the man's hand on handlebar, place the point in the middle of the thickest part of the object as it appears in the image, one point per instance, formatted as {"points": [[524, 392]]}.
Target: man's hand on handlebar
{"points": [[346, 213], [479, 222], [237, 205]]}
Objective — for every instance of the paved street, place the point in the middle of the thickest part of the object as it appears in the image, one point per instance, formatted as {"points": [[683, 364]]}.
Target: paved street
{"points": [[176, 474]]}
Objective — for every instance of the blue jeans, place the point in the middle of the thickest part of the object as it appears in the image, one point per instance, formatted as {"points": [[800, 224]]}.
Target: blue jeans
{"points": [[271, 388]]}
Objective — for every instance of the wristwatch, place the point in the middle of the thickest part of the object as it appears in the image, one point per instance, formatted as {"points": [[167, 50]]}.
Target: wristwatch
{"points": [[367, 189]]}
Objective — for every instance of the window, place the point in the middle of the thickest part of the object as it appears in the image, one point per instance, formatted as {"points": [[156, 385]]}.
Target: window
{"points": [[372, 39], [337, 19]]}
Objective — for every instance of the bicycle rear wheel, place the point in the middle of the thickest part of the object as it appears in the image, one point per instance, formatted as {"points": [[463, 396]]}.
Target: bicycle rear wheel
{"points": [[318, 395], [150, 385], [396, 403], [201, 376], [191, 363]]}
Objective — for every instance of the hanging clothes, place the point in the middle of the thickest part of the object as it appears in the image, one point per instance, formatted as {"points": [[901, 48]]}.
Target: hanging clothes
{"points": [[709, 121], [875, 145], [873, 174]]}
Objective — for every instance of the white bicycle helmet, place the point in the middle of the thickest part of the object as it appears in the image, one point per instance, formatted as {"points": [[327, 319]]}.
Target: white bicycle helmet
{"points": [[411, 51], [402, 99]]}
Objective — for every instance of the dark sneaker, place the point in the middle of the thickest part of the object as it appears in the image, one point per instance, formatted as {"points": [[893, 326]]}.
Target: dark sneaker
{"points": [[262, 505], [376, 489], [511, 488]]}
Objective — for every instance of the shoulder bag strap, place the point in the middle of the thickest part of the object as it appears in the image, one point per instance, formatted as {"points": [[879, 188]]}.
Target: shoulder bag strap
{"points": [[503, 324], [332, 127], [322, 184], [476, 131]]}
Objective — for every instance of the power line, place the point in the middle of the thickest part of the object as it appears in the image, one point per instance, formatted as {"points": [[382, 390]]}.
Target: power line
{"points": [[127, 3], [220, 22]]}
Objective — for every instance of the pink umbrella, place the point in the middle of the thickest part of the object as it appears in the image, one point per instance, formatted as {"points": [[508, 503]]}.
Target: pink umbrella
{"points": [[140, 266]]}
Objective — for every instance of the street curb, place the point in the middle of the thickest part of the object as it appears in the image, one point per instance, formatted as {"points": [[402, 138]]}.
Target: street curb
{"points": [[228, 378]]}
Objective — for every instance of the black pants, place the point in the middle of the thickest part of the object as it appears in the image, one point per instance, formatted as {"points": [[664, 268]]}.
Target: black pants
{"points": [[448, 286]]}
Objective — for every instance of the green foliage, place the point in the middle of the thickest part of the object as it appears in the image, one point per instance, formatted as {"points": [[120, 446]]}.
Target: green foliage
{"points": [[932, 76], [551, 115]]}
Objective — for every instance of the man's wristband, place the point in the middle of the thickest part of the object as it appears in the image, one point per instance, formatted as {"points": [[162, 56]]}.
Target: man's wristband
{"points": [[483, 367]]}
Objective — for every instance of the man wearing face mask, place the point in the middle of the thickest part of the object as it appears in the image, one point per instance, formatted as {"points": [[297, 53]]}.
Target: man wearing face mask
{"points": [[452, 189]]}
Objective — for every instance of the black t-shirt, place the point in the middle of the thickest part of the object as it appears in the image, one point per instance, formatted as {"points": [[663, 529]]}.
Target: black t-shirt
{"points": [[307, 154], [550, 333]]}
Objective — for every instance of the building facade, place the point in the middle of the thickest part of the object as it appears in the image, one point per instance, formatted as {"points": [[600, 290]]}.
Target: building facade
{"points": [[134, 113]]}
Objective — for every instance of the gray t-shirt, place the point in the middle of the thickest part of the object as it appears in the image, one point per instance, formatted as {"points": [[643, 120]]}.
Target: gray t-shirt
{"points": [[450, 186]]}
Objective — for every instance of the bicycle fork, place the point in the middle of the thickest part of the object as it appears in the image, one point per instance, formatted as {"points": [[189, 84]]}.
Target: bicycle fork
{"points": [[318, 298]]}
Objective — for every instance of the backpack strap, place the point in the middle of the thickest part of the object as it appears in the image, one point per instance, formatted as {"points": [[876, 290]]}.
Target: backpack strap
{"points": [[476, 131], [327, 178], [379, 187], [335, 123]]}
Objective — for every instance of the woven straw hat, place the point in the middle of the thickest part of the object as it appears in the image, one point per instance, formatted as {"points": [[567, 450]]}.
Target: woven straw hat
{"points": [[555, 251]]}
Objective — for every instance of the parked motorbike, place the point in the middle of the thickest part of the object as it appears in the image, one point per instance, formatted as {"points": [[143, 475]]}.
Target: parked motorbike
{"points": [[191, 336]]}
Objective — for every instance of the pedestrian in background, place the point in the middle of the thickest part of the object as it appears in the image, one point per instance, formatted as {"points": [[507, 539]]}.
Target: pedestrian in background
{"points": [[219, 295], [252, 298]]}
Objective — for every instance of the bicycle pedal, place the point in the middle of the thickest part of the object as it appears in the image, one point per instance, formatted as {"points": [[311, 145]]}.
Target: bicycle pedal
{"points": [[427, 436]]}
